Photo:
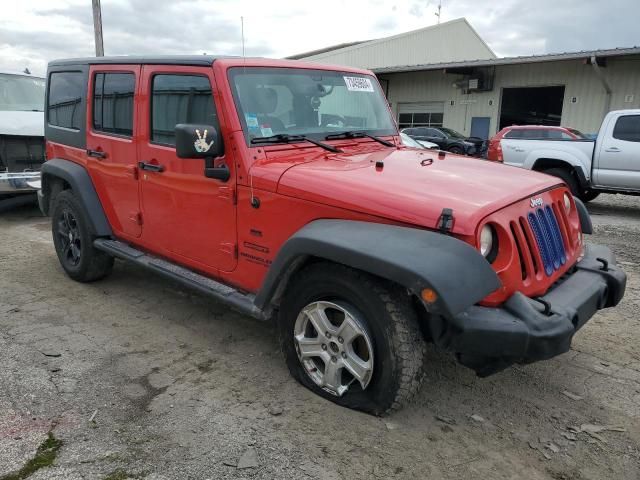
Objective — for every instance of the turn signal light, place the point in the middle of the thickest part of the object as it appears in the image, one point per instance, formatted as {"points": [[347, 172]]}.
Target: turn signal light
{"points": [[429, 295]]}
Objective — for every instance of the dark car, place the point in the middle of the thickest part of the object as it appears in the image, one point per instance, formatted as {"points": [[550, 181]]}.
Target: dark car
{"points": [[447, 139]]}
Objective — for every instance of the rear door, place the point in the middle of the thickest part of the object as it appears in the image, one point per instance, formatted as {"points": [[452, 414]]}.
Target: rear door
{"points": [[111, 151], [187, 216], [618, 161]]}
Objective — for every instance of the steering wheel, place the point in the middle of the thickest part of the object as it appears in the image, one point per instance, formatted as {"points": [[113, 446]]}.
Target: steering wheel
{"points": [[334, 121]]}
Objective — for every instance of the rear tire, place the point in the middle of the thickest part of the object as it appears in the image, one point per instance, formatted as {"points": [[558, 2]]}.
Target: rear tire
{"points": [[566, 177], [382, 339], [73, 240]]}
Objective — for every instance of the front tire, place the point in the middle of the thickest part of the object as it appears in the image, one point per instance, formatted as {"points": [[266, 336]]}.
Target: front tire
{"points": [[73, 241], [456, 150], [351, 338]]}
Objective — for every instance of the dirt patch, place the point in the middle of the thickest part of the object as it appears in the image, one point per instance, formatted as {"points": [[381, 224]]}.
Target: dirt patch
{"points": [[185, 389]]}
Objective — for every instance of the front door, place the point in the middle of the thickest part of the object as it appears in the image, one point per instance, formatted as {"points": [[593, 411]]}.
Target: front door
{"points": [[186, 216], [111, 152], [480, 127], [618, 160]]}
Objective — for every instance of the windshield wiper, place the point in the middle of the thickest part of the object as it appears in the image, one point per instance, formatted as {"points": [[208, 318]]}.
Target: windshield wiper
{"points": [[358, 134], [285, 138]]}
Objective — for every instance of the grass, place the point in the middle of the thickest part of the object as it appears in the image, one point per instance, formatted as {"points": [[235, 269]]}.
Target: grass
{"points": [[44, 457]]}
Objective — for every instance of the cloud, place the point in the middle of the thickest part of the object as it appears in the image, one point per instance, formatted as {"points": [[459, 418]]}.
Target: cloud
{"points": [[36, 31]]}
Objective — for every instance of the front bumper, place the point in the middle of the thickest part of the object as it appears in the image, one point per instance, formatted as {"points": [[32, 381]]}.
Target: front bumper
{"points": [[19, 182], [526, 330]]}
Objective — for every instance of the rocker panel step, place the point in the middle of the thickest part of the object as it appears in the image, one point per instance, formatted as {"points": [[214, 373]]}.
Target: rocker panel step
{"points": [[219, 291]]}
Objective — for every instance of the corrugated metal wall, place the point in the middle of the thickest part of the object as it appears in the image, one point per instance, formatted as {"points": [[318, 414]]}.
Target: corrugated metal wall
{"points": [[448, 42], [580, 81]]}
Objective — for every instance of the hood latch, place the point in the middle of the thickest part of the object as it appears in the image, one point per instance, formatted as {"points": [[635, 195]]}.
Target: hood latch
{"points": [[445, 222]]}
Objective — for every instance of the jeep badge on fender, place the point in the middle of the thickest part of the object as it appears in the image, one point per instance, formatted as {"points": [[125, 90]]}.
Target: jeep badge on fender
{"points": [[288, 196]]}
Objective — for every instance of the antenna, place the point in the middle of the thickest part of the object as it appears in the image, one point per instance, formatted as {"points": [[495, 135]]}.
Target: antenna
{"points": [[439, 11], [255, 203]]}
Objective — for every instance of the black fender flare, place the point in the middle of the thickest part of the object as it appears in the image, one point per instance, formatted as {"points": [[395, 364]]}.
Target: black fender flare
{"points": [[585, 218], [582, 179], [414, 258], [80, 182]]}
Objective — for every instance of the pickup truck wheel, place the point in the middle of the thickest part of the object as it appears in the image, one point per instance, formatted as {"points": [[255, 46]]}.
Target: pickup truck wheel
{"points": [[566, 177], [588, 195], [74, 242], [351, 338]]}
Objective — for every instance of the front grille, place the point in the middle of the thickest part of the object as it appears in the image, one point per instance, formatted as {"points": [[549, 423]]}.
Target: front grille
{"points": [[21, 153], [541, 239], [546, 231]]}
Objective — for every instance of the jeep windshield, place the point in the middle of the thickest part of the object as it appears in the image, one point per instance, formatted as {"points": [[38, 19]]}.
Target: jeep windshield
{"points": [[21, 93], [288, 102]]}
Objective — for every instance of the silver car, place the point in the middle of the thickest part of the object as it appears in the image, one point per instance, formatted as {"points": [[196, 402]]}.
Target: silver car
{"points": [[21, 133]]}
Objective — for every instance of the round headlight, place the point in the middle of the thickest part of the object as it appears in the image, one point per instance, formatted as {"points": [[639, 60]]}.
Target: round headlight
{"points": [[486, 240], [567, 203]]}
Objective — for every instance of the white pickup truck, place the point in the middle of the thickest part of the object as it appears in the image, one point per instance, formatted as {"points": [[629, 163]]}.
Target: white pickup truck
{"points": [[610, 163]]}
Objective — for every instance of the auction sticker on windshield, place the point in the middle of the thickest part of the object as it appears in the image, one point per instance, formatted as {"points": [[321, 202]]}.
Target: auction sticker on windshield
{"points": [[358, 84]]}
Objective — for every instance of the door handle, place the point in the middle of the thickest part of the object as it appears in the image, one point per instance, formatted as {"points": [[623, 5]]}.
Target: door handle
{"points": [[519, 150], [150, 167], [96, 153], [612, 149]]}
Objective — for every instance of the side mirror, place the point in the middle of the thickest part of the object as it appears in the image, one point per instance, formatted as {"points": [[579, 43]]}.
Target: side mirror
{"points": [[198, 141], [201, 141]]}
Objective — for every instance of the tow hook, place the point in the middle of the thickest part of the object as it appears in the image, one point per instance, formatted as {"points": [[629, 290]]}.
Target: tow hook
{"points": [[545, 304], [605, 264]]}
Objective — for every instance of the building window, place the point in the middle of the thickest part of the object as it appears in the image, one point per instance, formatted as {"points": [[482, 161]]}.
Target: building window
{"points": [[180, 99], [113, 103], [65, 96], [408, 120]]}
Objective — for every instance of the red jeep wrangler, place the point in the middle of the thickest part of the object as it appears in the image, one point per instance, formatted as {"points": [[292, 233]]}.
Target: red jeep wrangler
{"points": [[282, 189]]}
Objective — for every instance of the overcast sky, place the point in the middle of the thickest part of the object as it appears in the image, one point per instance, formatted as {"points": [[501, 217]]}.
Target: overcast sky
{"points": [[33, 32]]}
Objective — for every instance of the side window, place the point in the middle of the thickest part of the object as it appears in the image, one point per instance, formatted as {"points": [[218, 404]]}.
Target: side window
{"points": [[534, 134], [554, 134], [113, 103], [627, 128], [515, 133], [65, 97], [566, 136], [180, 99]]}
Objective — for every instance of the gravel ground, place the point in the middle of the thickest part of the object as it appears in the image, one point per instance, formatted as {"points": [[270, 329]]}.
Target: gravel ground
{"points": [[140, 378]]}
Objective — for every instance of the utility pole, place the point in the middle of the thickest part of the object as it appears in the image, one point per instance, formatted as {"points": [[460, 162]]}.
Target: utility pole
{"points": [[97, 28], [439, 9]]}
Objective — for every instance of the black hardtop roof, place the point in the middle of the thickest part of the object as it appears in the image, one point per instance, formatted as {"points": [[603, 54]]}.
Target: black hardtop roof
{"points": [[197, 60]]}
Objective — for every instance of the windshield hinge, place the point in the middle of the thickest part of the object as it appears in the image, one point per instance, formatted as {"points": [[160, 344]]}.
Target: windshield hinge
{"points": [[445, 222]]}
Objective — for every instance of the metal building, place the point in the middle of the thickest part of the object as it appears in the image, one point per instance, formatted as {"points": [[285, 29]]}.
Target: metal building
{"points": [[445, 75]]}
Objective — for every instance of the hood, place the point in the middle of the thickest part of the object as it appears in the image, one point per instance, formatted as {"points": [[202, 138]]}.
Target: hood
{"points": [[29, 124], [413, 186]]}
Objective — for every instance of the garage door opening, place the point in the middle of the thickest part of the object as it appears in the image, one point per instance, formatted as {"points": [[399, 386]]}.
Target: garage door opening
{"points": [[531, 106]]}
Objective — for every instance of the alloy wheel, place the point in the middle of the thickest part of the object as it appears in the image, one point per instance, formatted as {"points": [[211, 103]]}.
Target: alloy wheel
{"points": [[334, 346], [69, 236]]}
